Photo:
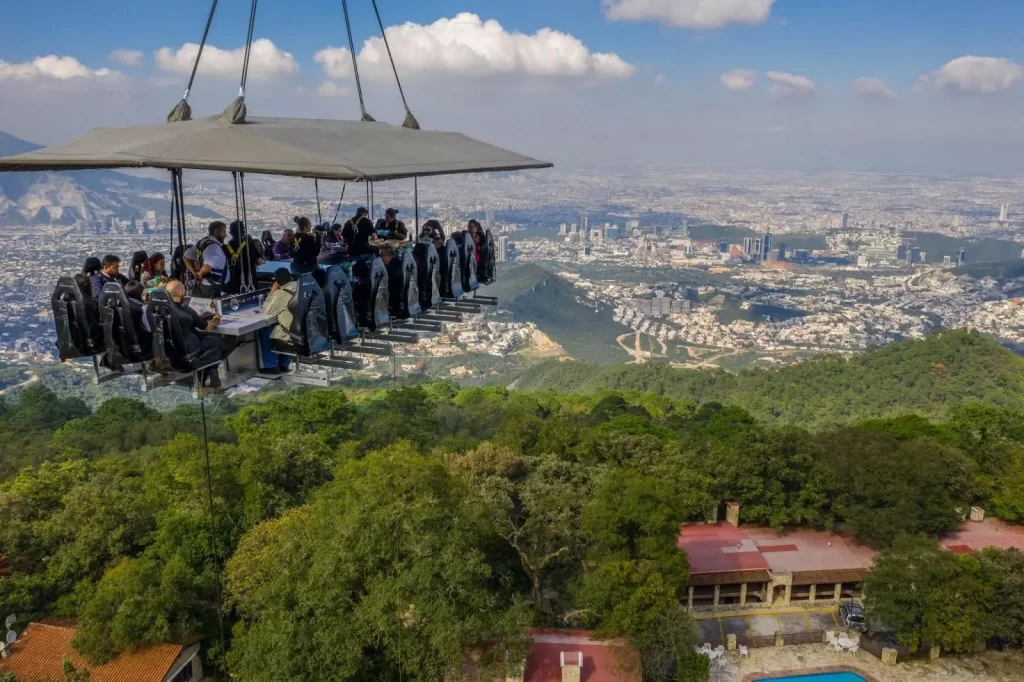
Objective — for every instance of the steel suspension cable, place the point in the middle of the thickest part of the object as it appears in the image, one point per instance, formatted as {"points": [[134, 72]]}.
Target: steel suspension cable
{"points": [[341, 199], [355, 65], [182, 111], [248, 286], [410, 120], [248, 49], [213, 535]]}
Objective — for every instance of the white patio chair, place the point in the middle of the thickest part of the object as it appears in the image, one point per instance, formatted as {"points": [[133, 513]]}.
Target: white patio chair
{"points": [[744, 651], [854, 648]]}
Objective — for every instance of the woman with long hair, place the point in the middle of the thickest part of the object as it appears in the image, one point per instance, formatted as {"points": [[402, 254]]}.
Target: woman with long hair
{"points": [[154, 271]]}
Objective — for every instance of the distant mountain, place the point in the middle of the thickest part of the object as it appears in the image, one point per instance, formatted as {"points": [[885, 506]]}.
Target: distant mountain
{"points": [[47, 198], [929, 377], [587, 332]]}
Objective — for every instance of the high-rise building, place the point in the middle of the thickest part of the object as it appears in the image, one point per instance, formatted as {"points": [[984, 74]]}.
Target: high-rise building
{"points": [[632, 225], [723, 247], [901, 252], [782, 251], [585, 224], [563, 229], [766, 246], [846, 220], [946, 261], [490, 218], [1004, 213], [502, 255], [573, 229], [961, 257], [913, 255]]}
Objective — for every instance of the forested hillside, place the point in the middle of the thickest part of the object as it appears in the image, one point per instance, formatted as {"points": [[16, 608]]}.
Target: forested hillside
{"points": [[393, 533], [928, 378]]}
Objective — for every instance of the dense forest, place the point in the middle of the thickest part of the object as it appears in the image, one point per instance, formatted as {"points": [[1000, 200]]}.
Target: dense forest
{"points": [[927, 378], [378, 535]]}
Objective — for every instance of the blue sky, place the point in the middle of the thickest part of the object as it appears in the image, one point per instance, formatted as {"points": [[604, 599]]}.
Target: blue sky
{"points": [[667, 74]]}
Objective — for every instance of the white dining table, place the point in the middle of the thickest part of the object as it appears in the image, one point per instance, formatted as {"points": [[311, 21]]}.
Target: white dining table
{"points": [[845, 642]]}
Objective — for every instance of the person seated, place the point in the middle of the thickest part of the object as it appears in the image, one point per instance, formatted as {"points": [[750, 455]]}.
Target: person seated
{"points": [[154, 271], [306, 247], [92, 266], [277, 302], [474, 228], [387, 254], [267, 240], [390, 227], [283, 250], [208, 262], [477, 239], [241, 255], [334, 240], [133, 291], [110, 271], [92, 307], [203, 347]]}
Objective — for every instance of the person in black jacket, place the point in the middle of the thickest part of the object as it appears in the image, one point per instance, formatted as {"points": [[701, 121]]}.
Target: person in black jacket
{"points": [[204, 348], [110, 271]]}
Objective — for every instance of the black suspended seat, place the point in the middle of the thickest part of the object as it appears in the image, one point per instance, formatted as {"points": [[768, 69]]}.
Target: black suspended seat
{"points": [[487, 273], [76, 318], [308, 333], [428, 275], [371, 293], [404, 294], [341, 313], [467, 262], [170, 325], [125, 340], [135, 267], [451, 271]]}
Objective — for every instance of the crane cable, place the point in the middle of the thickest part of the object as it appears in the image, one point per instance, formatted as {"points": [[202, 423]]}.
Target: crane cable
{"points": [[248, 49], [182, 111], [213, 539], [410, 120], [355, 65]]}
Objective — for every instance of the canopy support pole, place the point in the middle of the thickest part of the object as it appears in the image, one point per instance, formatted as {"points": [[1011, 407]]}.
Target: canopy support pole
{"points": [[369, 206], [416, 202], [248, 286]]}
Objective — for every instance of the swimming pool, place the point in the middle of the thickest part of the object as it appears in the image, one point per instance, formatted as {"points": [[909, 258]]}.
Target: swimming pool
{"points": [[820, 677]]}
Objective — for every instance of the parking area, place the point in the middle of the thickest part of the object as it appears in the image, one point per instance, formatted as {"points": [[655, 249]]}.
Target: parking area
{"points": [[716, 628]]}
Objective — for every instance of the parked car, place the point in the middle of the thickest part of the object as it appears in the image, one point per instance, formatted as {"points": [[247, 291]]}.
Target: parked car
{"points": [[851, 616]]}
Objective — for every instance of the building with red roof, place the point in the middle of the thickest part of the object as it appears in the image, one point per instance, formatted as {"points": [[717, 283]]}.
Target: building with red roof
{"points": [[573, 656], [39, 654], [735, 567]]}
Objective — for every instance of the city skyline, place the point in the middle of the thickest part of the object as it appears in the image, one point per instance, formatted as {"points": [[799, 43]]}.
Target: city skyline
{"points": [[753, 83]]}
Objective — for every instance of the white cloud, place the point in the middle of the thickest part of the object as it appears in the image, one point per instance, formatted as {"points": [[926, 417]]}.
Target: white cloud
{"points": [[54, 68], [468, 46], [126, 57], [789, 84], [873, 87], [332, 89], [266, 60], [660, 79], [739, 79], [979, 74], [690, 13]]}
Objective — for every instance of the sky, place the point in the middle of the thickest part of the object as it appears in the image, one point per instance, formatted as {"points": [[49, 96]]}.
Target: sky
{"points": [[923, 86]]}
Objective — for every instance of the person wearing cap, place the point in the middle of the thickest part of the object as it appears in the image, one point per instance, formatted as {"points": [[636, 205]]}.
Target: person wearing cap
{"points": [[390, 227], [281, 295]]}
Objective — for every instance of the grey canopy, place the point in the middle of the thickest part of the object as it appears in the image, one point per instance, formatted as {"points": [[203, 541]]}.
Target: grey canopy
{"points": [[334, 150]]}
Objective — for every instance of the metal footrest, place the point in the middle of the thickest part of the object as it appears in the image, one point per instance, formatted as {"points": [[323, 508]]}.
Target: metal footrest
{"points": [[419, 325], [485, 300], [366, 348], [441, 316]]}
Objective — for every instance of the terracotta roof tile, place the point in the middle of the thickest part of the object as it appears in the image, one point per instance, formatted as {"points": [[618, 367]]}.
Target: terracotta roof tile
{"points": [[40, 651], [845, 575], [729, 578]]}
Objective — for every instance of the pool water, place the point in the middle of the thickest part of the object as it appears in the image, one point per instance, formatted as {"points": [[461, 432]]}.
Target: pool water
{"points": [[823, 677]]}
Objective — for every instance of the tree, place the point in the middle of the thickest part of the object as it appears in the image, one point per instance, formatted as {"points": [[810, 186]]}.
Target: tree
{"points": [[72, 674], [326, 415], [40, 410], [927, 594], [381, 576], [535, 504], [141, 601], [1008, 489], [882, 487], [1007, 567], [7, 676]]}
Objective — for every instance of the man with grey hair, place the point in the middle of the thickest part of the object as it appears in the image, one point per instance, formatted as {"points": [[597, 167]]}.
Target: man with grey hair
{"points": [[205, 348]]}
